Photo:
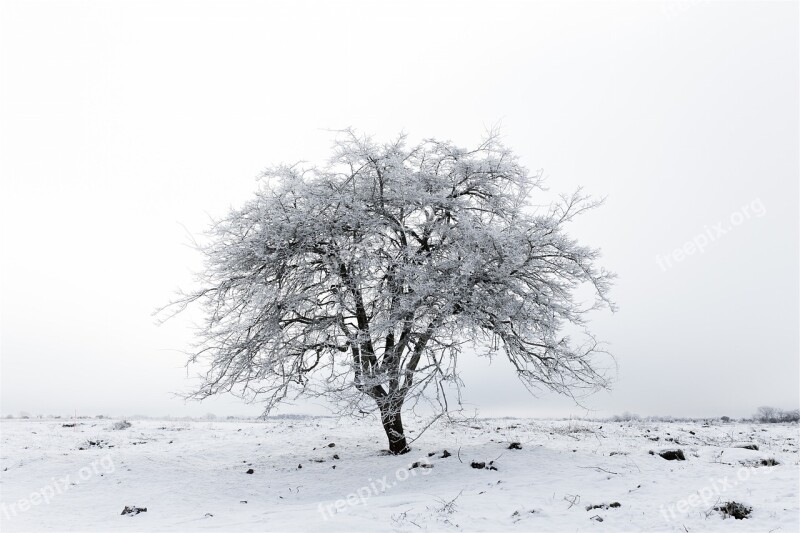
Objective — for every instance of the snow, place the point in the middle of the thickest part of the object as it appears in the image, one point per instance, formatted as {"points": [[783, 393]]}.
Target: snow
{"points": [[191, 476]]}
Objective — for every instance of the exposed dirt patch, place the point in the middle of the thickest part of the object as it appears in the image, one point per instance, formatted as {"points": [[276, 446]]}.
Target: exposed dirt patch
{"points": [[735, 509]]}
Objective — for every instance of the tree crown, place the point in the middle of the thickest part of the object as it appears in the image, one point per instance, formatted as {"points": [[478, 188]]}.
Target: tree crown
{"points": [[372, 272]]}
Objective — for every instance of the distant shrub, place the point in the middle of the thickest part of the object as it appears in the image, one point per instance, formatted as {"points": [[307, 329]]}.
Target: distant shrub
{"points": [[626, 417], [726, 419], [118, 426], [791, 416], [662, 418]]}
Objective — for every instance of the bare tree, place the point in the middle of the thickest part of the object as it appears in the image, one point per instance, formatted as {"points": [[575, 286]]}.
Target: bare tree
{"points": [[363, 280], [766, 413]]}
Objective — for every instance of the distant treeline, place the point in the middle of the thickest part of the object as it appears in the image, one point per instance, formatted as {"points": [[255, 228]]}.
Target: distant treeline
{"points": [[767, 415], [208, 417], [773, 415]]}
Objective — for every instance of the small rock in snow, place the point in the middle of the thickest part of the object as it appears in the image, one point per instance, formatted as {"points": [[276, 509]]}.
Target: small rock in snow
{"points": [[672, 455]]}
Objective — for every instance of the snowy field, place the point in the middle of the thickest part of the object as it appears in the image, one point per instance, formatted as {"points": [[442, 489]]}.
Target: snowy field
{"points": [[323, 474]]}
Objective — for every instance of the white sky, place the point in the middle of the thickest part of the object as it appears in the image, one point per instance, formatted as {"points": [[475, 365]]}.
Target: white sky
{"points": [[122, 123]]}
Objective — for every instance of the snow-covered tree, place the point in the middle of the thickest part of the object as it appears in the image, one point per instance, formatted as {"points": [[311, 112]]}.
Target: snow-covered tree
{"points": [[364, 279]]}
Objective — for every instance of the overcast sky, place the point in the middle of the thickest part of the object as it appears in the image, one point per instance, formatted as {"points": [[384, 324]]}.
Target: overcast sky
{"points": [[125, 125]]}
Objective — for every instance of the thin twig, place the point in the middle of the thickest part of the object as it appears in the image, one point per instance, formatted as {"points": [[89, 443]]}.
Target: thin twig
{"points": [[598, 468]]}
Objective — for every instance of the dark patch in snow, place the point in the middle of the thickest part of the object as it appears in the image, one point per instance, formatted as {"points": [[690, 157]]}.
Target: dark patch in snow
{"points": [[762, 462], [671, 455], [99, 443], [612, 505], [133, 510], [737, 510]]}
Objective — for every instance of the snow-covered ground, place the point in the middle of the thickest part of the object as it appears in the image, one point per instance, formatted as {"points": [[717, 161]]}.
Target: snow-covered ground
{"points": [[324, 474]]}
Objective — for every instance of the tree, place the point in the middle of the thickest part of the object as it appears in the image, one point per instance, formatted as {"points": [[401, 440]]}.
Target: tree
{"points": [[364, 279], [766, 413]]}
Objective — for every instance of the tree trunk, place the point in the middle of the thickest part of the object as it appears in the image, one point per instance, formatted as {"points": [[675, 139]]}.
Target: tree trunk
{"points": [[393, 425]]}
